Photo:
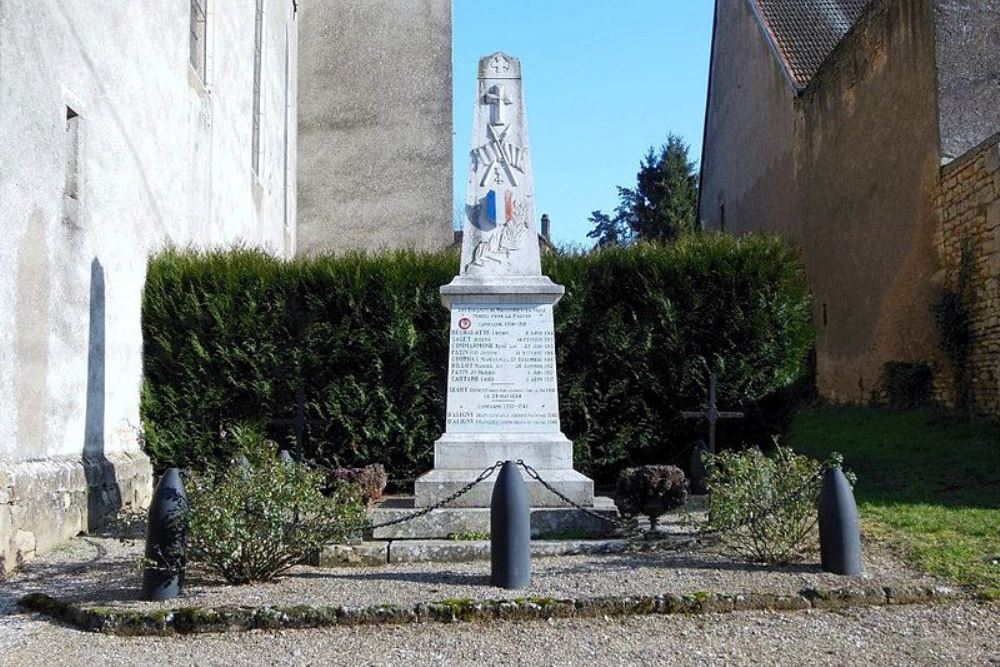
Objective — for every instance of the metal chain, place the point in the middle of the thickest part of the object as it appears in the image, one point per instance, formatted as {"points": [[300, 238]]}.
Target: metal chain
{"points": [[750, 519], [628, 526], [484, 475]]}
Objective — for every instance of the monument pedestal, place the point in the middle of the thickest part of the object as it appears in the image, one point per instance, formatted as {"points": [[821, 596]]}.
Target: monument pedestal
{"points": [[502, 354], [546, 522], [438, 484]]}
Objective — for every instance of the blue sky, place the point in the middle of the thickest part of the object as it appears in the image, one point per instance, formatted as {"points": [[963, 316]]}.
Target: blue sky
{"points": [[604, 80]]}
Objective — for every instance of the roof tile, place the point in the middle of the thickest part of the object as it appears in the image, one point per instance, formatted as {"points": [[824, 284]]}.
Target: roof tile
{"points": [[807, 31]]}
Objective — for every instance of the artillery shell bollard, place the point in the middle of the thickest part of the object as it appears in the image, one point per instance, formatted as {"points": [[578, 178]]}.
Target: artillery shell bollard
{"points": [[163, 574], [839, 530], [510, 530], [699, 472]]}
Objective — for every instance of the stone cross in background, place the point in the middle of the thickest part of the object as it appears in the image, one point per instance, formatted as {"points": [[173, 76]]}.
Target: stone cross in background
{"points": [[712, 413]]}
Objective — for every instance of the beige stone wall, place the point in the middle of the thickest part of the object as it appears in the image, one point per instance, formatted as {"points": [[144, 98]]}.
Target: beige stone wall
{"points": [[968, 207], [848, 171], [868, 176], [374, 125], [748, 158]]}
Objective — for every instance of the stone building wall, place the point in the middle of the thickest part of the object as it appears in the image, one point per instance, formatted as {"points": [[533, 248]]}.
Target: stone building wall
{"points": [[847, 170], [866, 185], [748, 159], [375, 125], [111, 145], [968, 207]]}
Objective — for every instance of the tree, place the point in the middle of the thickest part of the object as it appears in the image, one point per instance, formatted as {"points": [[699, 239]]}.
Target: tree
{"points": [[607, 230], [661, 206]]}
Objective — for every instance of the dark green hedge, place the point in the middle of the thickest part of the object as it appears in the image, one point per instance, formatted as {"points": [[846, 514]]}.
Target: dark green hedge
{"points": [[361, 342]]}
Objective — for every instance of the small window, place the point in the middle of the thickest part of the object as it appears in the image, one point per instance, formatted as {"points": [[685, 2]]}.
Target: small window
{"points": [[824, 316], [71, 168], [722, 218], [71, 147], [258, 44], [199, 38]]}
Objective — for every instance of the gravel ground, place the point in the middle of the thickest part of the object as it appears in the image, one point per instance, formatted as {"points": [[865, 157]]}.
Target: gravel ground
{"points": [[110, 576], [959, 634], [101, 569]]}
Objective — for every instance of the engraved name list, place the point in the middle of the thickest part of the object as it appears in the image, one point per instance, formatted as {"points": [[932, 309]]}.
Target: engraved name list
{"points": [[502, 369]]}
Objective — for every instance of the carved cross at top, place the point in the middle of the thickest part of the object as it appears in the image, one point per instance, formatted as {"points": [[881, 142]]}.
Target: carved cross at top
{"points": [[497, 100], [499, 65], [712, 413]]}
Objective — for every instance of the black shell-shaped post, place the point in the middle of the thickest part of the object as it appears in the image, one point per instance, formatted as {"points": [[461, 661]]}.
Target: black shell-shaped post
{"points": [[510, 530], [839, 529], [166, 546], [699, 471]]}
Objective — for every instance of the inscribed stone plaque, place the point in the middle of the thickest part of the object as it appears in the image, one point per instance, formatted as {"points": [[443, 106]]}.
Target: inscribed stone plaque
{"points": [[502, 369]]}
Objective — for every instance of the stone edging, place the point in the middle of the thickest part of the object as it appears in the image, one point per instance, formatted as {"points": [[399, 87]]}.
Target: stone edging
{"points": [[193, 620]]}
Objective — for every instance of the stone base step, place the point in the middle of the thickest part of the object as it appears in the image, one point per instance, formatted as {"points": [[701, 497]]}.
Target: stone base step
{"points": [[433, 486], [451, 551], [447, 522]]}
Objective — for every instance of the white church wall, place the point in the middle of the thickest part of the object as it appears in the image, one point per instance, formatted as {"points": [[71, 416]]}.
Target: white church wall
{"points": [[153, 155]]}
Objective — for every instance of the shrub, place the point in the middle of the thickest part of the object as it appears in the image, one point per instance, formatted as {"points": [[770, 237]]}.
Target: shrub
{"points": [[952, 312], [777, 494], [651, 491], [370, 481], [908, 384], [249, 523], [354, 349]]}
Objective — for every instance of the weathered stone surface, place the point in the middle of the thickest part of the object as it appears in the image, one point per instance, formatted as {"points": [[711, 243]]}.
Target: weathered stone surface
{"points": [[362, 554], [456, 551], [52, 500], [443, 551], [187, 620], [770, 601], [439, 484], [102, 165], [375, 125], [852, 596], [546, 451], [914, 594], [968, 207], [442, 523]]}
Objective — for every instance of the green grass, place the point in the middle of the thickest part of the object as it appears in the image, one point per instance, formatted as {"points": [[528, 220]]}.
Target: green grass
{"points": [[929, 483]]}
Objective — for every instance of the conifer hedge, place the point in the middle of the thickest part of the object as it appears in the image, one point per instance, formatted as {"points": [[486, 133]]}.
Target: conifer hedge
{"points": [[354, 348]]}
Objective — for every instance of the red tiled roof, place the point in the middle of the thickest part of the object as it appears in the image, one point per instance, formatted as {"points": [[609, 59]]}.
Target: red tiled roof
{"points": [[806, 31]]}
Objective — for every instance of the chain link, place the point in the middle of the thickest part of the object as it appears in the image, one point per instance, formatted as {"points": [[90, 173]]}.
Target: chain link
{"points": [[483, 476], [631, 528], [628, 527]]}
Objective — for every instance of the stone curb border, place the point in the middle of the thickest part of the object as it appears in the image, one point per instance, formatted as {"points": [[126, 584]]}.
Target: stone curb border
{"points": [[196, 620]]}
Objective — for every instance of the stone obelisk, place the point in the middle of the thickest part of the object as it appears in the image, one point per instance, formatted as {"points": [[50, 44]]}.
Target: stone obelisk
{"points": [[503, 402]]}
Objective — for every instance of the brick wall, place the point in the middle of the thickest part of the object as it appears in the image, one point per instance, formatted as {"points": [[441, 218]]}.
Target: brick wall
{"points": [[968, 207]]}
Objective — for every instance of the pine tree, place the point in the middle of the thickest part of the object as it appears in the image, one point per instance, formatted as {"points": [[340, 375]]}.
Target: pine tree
{"points": [[661, 206], [607, 230]]}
